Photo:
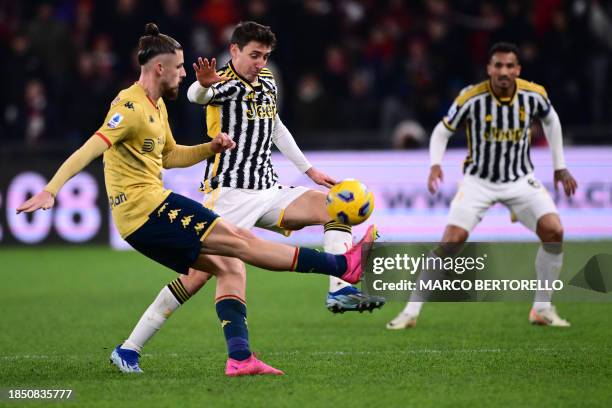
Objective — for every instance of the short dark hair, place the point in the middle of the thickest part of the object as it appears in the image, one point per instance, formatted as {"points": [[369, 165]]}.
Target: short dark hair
{"points": [[152, 44], [247, 31], [505, 47]]}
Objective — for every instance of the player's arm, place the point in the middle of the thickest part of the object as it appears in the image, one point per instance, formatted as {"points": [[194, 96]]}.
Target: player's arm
{"points": [[285, 142], [123, 119], [437, 147], [200, 91], [440, 135], [92, 148], [186, 156], [554, 135]]}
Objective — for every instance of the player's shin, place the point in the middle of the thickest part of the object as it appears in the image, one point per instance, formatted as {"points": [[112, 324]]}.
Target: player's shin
{"points": [[548, 263], [232, 314], [167, 301], [308, 260], [337, 240]]}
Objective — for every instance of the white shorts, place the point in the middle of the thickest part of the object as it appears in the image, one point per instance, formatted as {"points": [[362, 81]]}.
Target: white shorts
{"points": [[254, 208], [527, 199]]}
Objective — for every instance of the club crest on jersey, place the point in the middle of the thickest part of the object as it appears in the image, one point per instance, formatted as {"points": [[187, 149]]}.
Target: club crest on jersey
{"points": [[115, 120]]}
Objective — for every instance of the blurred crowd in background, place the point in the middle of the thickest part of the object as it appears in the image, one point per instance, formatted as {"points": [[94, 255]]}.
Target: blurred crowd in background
{"points": [[352, 73]]}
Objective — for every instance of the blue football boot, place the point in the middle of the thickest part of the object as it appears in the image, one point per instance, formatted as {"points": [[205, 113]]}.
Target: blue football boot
{"points": [[126, 360], [350, 299]]}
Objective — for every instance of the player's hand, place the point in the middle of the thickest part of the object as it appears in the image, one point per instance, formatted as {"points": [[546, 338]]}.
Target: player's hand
{"points": [[206, 73], [569, 182], [44, 200], [436, 176], [320, 178], [221, 143]]}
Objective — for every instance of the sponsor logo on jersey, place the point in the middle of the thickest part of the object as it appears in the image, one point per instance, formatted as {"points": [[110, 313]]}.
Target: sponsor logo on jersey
{"points": [[114, 201], [261, 111], [148, 146], [115, 120], [129, 105]]}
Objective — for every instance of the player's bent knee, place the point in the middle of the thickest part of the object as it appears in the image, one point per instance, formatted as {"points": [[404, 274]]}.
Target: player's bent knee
{"points": [[232, 267], [553, 234], [549, 228], [454, 234]]}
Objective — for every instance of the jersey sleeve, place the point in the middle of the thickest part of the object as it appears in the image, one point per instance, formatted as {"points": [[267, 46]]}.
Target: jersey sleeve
{"points": [[223, 91], [456, 113], [543, 105], [123, 120]]}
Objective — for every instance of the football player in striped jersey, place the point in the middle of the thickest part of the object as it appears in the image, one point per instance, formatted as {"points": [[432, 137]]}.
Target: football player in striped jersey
{"points": [[497, 115]]}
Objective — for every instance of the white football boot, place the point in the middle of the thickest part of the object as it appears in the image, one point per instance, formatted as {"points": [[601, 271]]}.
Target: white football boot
{"points": [[547, 317], [402, 321]]}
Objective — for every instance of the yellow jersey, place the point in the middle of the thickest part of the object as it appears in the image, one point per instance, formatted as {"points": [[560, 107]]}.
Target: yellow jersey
{"points": [[137, 132]]}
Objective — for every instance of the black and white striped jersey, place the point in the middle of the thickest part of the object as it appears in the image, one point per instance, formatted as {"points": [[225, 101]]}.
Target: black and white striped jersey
{"points": [[246, 112], [498, 130]]}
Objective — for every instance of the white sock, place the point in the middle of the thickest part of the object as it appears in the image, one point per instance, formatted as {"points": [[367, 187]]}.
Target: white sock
{"points": [[413, 307], [337, 242], [548, 267], [152, 320]]}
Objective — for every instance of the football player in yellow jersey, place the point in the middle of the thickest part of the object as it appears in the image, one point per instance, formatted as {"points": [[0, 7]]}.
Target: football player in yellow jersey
{"points": [[171, 229], [269, 205]]}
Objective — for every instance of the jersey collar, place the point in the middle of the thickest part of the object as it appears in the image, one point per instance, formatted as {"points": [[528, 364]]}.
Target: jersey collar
{"points": [[140, 87], [251, 85], [503, 101]]}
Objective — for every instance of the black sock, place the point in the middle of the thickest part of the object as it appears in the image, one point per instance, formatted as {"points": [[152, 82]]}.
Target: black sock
{"points": [[309, 260], [232, 314]]}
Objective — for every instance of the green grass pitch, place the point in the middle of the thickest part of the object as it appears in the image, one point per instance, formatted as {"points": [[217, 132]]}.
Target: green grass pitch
{"points": [[64, 309]]}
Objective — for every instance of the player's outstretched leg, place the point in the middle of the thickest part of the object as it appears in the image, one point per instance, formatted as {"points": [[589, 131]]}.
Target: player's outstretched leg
{"points": [[228, 240]]}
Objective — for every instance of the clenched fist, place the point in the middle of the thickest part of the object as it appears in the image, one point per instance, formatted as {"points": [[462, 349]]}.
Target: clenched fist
{"points": [[221, 143]]}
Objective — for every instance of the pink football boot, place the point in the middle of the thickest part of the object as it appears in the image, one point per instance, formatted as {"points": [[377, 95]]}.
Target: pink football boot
{"points": [[250, 366], [353, 256]]}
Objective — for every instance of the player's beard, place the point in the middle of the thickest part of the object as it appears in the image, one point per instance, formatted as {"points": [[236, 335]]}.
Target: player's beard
{"points": [[168, 92]]}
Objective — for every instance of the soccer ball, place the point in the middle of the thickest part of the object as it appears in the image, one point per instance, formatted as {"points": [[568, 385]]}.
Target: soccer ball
{"points": [[350, 202]]}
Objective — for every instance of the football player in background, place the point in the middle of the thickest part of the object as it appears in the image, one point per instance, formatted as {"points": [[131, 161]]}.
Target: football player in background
{"points": [[497, 114]]}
